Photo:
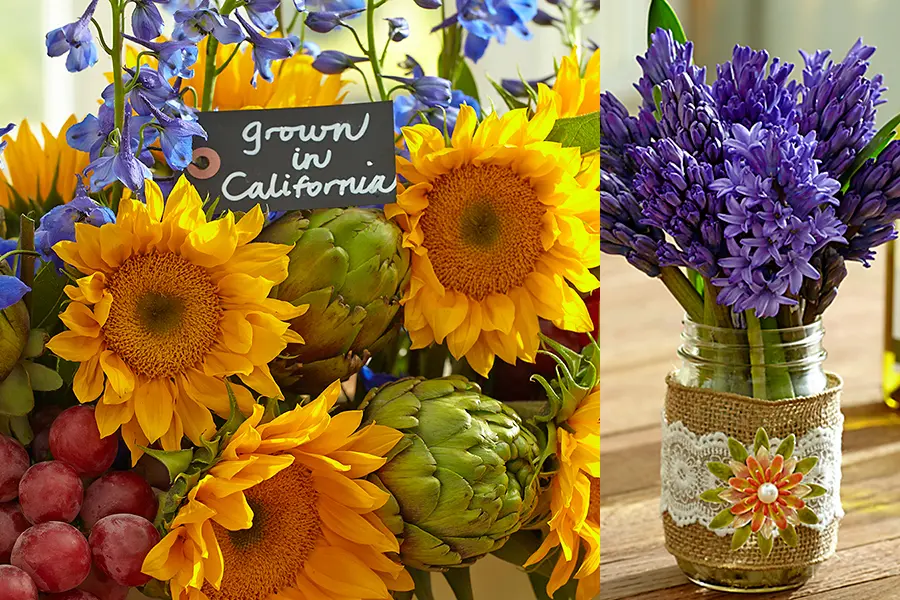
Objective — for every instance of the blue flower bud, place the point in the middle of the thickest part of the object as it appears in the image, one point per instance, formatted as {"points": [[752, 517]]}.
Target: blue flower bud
{"points": [[428, 4], [332, 62], [399, 28]]}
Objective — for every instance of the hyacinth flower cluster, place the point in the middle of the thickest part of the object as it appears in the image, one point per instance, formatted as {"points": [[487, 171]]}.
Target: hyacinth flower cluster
{"points": [[754, 188], [143, 109]]}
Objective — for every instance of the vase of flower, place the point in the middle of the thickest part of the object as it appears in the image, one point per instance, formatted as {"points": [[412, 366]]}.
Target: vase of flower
{"points": [[751, 457]]}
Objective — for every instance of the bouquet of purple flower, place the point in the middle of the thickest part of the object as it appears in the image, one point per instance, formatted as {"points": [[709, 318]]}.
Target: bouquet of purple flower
{"points": [[748, 195]]}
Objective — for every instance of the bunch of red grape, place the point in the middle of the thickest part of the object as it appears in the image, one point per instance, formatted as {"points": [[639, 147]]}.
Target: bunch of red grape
{"points": [[71, 529]]}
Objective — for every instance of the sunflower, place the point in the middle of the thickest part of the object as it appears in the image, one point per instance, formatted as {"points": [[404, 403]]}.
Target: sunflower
{"points": [[297, 83], [286, 513], [575, 502], [39, 176], [579, 94], [496, 222], [169, 305]]}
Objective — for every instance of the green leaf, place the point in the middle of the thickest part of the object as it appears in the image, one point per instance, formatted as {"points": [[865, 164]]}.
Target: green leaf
{"points": [[789, 535], [723, 519], [511, 101], [460, 581], [67, 370], [807, 516], [662, 15], [465, 81], [581, 132], [422, 579], [765, 545], [741, 535], [176, 462], [21, 428], [713, 495], [786, 447], [871, 150], [43, 379], [761, 441], [737, 450], [539, 585], [806, 465], [16, 397], [48, 296], [815, 491], [720, 470]]}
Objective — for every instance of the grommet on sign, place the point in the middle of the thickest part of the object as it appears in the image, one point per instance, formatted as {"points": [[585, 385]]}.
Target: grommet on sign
{"points": [[206, 156]]}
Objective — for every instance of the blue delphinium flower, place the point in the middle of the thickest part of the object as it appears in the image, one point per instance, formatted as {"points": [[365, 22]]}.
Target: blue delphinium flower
{"points": [[839, 105], [146, 22], [196, 24], [76, 40], [11, 290], [485, 20], [122, 165], [664, 59], [371, 379], [517, 88], [175, 58], [151, 88], [779, 210], [408, 110], [3, 132], [59, 224], [266, 50], [398, 29], [176, 138], [323, 21], [90, 135], [332, 62], [429, 90], [262, 13], [747, 93]]}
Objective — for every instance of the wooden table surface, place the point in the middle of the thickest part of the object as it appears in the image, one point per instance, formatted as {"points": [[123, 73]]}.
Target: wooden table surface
{"points": [[639, 333]]}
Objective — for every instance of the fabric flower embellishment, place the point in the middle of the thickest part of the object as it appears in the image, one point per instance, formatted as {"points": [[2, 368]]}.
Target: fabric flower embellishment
{"points": [[765, 492]]}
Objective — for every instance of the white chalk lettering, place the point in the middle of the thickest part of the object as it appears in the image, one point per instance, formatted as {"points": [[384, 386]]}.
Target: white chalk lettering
{"points": [[251, 135]]}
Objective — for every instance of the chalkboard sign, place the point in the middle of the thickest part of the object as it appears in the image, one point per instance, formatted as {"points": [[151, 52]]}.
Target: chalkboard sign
{"points": [[294, 158]]}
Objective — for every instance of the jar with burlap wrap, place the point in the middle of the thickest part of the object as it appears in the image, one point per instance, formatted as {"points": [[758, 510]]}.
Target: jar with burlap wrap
{"points": [[711, 418]]}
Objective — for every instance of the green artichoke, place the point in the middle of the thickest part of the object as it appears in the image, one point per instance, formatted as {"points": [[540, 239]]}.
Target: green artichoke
{"points": [[462, 480], [350, 267]]}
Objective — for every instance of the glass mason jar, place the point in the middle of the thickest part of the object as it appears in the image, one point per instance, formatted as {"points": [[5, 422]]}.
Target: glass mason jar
{"points": [[768, 364]]}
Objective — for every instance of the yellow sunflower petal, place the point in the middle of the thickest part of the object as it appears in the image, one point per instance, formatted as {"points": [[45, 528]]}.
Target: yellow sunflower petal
{"points": [[153, 407]]}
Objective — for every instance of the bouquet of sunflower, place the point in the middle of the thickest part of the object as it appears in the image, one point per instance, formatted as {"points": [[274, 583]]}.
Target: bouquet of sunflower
{"points": [[207, 404]]}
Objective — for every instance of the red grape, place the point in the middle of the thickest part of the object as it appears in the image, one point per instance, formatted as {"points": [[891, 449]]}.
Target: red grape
{"points": [[119, 544], [119, 492], [43, 418], [73, 595], [15, 584], [51, 491], [103, 586], [55, 555], [12, 524], [75, 439], [40, 446], [14, 462]]}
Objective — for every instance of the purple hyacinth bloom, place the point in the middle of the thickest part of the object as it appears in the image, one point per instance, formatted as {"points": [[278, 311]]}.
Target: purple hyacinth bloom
{"points": [[195, 24], [332, 62], [747, 93], [485, 20], [262, 13], [266, 50], [123, 165], [688, 116], [779, 211], [839, 105], [3, 132], [398, 29], [76, 40], [175, 58], [621, 230], [59, 224], [621, 132], [176, 138], [665, 58], [146, 22]]}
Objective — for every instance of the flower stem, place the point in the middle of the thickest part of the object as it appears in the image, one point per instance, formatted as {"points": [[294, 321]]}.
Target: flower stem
{"points": [[26, 244], [118, 13], [684, 292], [371, 50], [778, 376], [714, 313], [209, 74], [757, 355]]}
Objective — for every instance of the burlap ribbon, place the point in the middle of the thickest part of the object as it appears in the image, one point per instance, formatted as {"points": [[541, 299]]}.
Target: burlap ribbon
{"points": [[705, 411]]}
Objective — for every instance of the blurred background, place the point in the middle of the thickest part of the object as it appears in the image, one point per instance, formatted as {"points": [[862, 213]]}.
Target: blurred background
{"points": [[782, 28]]}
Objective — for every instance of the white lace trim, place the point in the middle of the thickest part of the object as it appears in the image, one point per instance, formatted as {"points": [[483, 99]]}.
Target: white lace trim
{"points": [[684, 474]]}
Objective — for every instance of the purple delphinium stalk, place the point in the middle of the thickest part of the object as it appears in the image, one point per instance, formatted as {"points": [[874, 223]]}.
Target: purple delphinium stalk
{"points": [[871, 205], [747, 93], [621, 230], [839, 105], [688, 116], [59, 224], [778, 211], [665, 58], [676, 197]]}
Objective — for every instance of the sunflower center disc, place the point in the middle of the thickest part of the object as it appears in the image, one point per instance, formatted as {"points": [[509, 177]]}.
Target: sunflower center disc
{"points": [[482, 229], [266, 558], [164, 316]]}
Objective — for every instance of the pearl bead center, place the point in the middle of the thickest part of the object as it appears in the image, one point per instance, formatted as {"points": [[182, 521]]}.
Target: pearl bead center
{"points": [[767, 493]]}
